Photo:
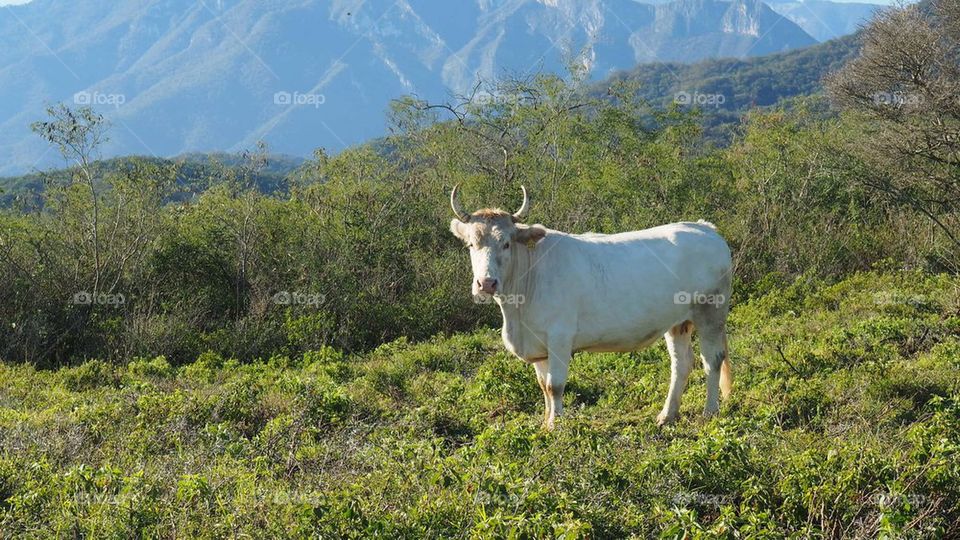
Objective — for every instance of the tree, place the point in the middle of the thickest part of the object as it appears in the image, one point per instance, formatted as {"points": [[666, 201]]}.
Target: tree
{"points": [[904, 87], [76, 262], [78, 134]]}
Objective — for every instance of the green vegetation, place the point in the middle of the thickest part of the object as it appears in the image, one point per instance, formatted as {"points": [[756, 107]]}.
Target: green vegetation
{"points": [[354, 250], [196, 173], [844, 423], [744, 84]]}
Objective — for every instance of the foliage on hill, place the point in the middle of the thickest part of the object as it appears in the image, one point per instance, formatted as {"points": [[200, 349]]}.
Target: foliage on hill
{"points": [[844, 422], [724, 90], [257, 169], [194, 173]]}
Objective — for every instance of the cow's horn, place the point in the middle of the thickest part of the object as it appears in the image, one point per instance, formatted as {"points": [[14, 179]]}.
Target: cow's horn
{"points": [[524, 208], [455, 204]]}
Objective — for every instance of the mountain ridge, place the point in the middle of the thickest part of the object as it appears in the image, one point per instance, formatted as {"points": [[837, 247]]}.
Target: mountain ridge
{"points": [[177, 76]]}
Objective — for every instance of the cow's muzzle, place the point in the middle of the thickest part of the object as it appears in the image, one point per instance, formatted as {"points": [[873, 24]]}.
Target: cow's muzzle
{"points": [[487, 285]]}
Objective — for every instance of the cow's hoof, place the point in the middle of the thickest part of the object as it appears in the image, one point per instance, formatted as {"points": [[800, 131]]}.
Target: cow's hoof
{"points": [[708, 413], [666, 418]]}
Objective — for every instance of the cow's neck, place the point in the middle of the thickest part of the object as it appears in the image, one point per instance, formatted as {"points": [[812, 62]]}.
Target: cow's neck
{"points": [[516, 293]]}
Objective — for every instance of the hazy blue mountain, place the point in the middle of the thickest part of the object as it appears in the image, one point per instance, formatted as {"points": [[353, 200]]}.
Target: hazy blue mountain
{"points": [[177, 76], [822, 19], [825, 20]]}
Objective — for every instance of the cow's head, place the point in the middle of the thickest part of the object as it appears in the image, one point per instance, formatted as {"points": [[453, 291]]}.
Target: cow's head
{"points": [[493, 237]]}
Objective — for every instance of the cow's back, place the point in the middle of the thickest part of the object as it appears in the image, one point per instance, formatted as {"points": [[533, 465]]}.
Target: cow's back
{"points": [[619, 292]]}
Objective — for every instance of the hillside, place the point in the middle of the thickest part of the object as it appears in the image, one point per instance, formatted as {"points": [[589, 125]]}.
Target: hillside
{"points": [[195, 171], [723, 90]]}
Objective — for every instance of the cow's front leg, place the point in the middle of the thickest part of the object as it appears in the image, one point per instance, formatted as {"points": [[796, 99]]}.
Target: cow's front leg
{"points": [[541, 367], [559, 352]]}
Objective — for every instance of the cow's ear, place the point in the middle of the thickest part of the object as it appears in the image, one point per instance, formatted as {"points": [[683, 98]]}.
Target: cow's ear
{"points": [[529, 234], [458, 229]]}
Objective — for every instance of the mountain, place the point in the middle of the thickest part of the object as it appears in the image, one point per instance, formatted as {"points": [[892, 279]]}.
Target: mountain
{"points": [[743, 85], [826, 20], [177, 76], [822, 19], [735, 87]]}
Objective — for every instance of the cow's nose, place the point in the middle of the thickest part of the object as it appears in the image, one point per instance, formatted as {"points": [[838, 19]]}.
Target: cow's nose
{"points": [[487, 285]]}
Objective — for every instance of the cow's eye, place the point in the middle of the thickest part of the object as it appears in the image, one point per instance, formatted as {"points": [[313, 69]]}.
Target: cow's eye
{"points": [[506, 246]]}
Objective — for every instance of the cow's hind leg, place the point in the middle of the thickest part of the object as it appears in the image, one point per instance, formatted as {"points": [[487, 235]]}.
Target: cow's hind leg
{"points": [[680, 346], [711, 326]]}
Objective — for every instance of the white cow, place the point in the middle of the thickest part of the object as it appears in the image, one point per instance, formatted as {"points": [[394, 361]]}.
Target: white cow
{"points": [[561, 293]]}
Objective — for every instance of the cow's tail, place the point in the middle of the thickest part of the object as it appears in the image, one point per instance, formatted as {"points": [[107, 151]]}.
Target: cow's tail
{"points": [[707, 223], [726, 375]]}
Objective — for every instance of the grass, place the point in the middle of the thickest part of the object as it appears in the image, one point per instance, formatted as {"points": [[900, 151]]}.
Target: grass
{"points": [[845, 422]]}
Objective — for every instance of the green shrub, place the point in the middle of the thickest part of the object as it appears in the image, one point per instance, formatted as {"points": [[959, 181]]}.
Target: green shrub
{"points": [[157, 367], [89, 375]]}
